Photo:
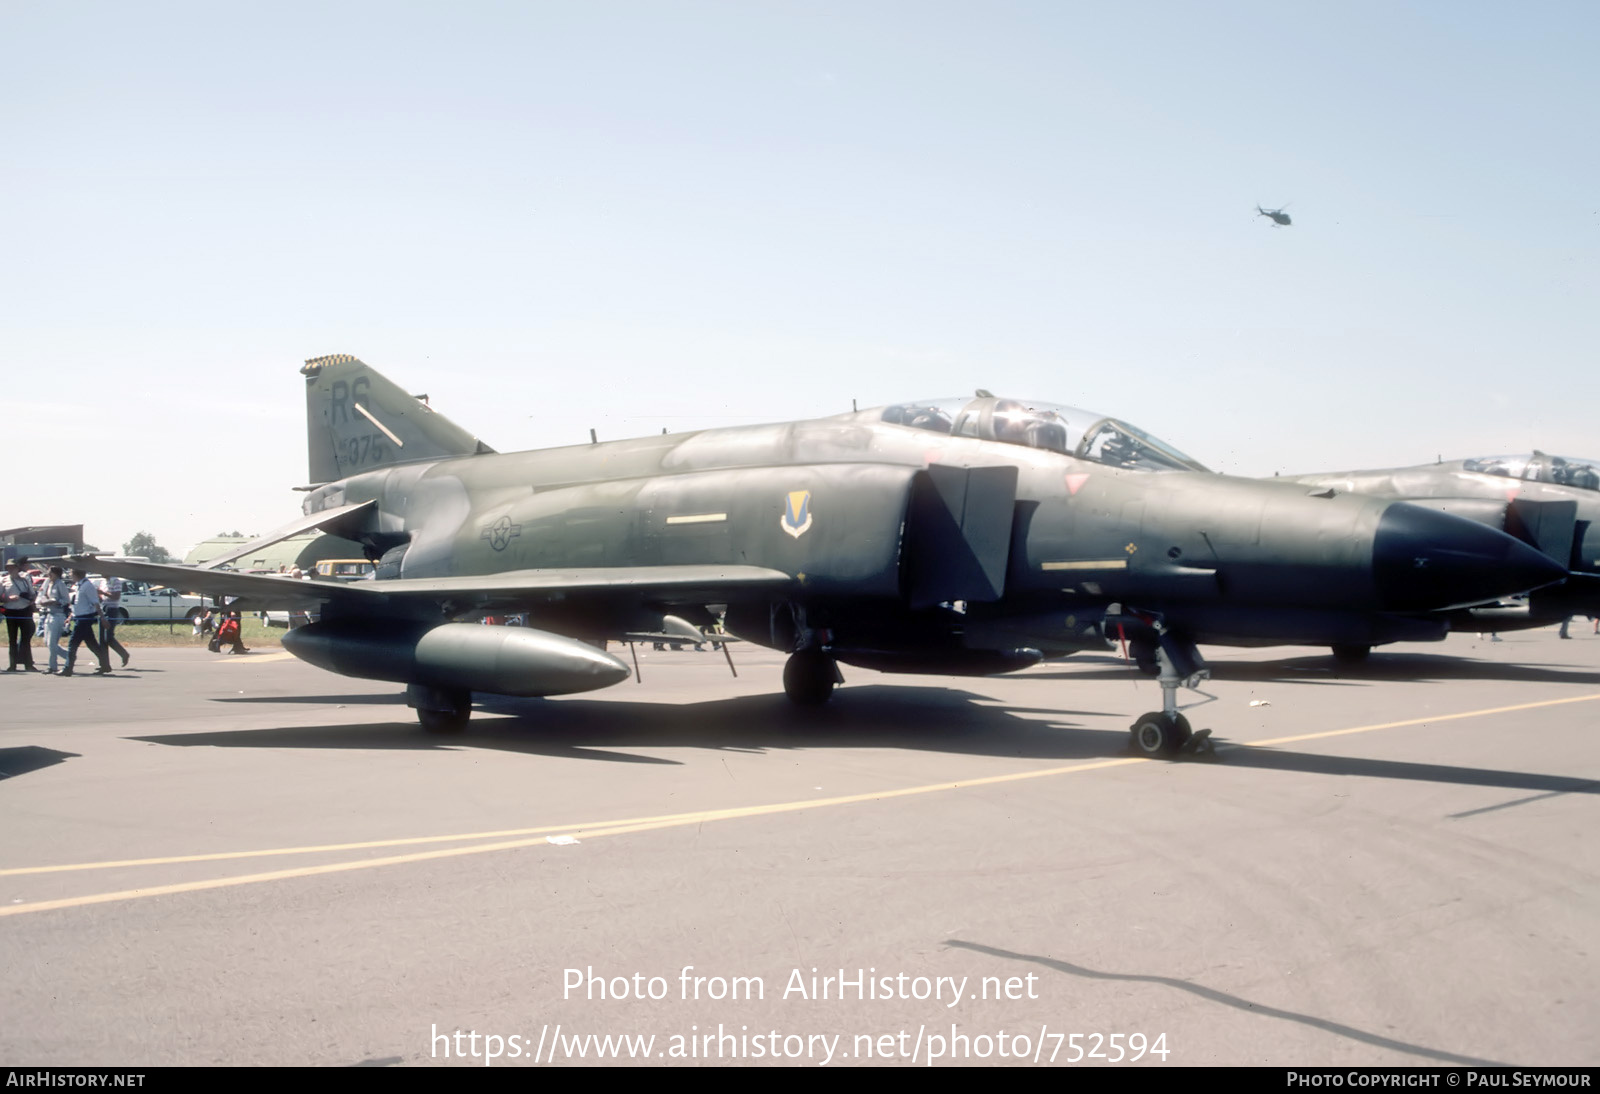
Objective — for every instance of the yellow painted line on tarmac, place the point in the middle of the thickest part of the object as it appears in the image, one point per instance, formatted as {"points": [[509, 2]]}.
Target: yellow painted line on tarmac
{"points": [[579, 832], [548, 834], [284, 655], [326, 848], [1429, 720]]}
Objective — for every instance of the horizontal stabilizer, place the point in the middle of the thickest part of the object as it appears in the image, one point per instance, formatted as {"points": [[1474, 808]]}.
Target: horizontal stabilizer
{"points": [[339, 516]]}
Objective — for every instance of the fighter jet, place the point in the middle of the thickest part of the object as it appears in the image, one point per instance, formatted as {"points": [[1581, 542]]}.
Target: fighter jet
{"points": [[1549, 502], [964, 537], [1279, 218]]}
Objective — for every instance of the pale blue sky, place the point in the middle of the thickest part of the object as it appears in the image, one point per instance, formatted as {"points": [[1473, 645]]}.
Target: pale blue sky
{"points": [[552, 216]]}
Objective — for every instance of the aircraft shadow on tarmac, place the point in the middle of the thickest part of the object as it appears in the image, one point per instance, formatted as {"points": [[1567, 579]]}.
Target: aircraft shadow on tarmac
{"points": [[395, 698], [1271, 759], [1381, 668], [27, 758], [929, 719], [1222, 998]]}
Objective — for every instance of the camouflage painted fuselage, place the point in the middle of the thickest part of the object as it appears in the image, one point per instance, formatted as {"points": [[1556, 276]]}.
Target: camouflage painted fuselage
{"points": [[943, 550]]}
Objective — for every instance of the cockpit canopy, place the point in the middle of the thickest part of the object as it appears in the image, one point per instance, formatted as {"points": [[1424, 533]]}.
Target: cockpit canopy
{"points": [[1539, 467], [1064, 429]]}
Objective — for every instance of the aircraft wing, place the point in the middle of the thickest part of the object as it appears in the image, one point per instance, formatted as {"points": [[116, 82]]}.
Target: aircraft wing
{"points": [[275, 592], [513, 590], [517, 590]]}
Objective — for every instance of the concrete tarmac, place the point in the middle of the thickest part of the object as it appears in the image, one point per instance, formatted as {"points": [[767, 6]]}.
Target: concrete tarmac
{"points": [[244, 860]]}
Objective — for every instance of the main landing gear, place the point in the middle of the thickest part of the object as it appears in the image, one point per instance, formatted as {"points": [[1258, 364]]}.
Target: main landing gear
{"points": [[440, 710], [1350, 654], [809, 677]]}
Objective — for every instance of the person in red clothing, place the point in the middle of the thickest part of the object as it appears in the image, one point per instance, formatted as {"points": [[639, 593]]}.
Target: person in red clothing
{"points": [[229, 632]]}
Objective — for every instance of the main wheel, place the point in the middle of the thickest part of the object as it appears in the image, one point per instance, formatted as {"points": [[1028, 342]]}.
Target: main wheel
{"points": [[1350, 655], [440, 710], [444, 721], [809, 677], [1159, 734]]}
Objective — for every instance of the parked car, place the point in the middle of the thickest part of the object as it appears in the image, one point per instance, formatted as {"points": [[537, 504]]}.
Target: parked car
{"points": [[143, 603], [289, 619], [346, 569], [339, 569]]}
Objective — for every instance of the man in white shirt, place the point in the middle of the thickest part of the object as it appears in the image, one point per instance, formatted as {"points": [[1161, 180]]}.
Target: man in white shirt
{"points": [[55, 598], [110, 616], [85, 614], [17, 589]]}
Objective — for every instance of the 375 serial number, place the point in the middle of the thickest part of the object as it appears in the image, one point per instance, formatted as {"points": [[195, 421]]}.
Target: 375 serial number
{"points": [[356, 451]]}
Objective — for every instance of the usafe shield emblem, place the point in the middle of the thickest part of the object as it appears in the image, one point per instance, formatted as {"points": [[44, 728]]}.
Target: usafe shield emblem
{"points": [[797, 513]]}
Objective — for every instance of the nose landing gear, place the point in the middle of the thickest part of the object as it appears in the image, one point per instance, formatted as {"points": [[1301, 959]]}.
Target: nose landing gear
{"points": [[1166, 733]]}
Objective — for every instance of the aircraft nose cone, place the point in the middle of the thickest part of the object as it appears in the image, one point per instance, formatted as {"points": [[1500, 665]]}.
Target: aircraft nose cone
{"points": [[1425, 560]]}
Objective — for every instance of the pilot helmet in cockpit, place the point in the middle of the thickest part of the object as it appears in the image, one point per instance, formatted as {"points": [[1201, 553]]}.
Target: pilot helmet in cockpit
{"points": [[1011, 420]]}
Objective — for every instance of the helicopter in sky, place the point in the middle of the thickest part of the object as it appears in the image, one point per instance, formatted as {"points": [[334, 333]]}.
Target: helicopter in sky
{"points": [[1278, 217]]}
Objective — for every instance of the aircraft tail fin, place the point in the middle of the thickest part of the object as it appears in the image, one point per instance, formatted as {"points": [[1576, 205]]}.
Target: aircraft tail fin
{"points": [[359, 420]]}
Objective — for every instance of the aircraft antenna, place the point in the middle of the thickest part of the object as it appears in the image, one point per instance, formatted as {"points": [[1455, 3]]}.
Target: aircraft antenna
{"points": [[592, 438]]}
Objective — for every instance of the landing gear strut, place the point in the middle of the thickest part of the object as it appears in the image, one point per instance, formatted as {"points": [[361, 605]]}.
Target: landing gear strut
{"points": [[440, 710], [1143, 653], [1165, 733], [809, 678]]}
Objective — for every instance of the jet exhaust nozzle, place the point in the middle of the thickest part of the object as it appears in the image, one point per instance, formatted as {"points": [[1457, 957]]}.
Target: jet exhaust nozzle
{"points": [[1426, 560], [462, 656]]}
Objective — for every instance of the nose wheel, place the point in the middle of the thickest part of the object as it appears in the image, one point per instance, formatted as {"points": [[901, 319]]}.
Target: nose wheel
{"points": [[1161, 734], [1165, 733]]}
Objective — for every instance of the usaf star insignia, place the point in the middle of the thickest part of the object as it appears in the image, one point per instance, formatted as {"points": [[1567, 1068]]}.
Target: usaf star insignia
{"points": [[501, 533]]}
